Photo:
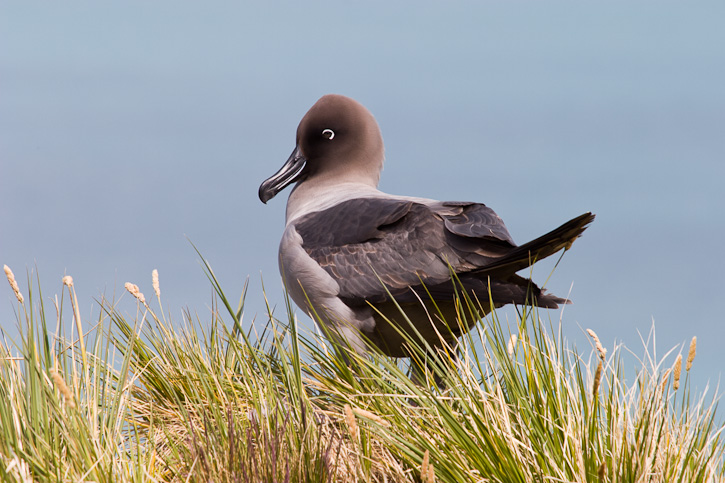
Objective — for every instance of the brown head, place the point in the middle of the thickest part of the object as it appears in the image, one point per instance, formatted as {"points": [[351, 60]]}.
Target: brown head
{"points": [[338, 140]]}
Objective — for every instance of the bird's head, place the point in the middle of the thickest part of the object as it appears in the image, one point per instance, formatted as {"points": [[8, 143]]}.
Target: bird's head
{"points": [[338, 140]]}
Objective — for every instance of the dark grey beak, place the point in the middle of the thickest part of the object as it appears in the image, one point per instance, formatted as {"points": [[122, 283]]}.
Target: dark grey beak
{"points": [[288, 174]]}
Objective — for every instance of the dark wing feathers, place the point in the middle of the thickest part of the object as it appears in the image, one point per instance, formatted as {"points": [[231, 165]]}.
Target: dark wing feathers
{"points": [[350, 222], [477, 220], [362, 242]]}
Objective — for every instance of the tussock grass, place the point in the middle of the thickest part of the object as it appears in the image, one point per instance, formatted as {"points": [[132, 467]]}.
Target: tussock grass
{"points": [[142, 399]]}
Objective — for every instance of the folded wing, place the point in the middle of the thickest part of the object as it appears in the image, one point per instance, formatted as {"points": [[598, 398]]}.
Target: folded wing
{"points": [[363, 242]]}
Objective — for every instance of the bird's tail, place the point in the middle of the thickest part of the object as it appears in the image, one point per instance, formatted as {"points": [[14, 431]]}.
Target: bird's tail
{"points": [[527, 254]]}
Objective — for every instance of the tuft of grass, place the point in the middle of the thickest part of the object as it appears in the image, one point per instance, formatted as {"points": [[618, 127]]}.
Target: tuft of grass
{"points": [[142, 398], [65, 412]]}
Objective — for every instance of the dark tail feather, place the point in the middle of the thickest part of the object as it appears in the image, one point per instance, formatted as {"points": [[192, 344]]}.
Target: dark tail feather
{"points": [[525, 255], [519, 290]]}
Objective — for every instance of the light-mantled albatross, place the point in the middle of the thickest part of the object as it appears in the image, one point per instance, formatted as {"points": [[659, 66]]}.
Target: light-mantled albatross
{"points": [[348, 249]]}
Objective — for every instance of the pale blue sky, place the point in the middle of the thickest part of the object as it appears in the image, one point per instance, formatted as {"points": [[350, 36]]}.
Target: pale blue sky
{"points": [[126, 126]]}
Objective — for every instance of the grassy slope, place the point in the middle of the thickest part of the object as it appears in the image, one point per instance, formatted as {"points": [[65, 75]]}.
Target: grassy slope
{"points": [[135, 400]]}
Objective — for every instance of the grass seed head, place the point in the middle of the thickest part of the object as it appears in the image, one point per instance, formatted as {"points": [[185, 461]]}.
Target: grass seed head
{"points": [[63, 388], [602, 351], [68, 281], [155, 282], [664, 378], [597, 379], [431, 473], [677, 370], [370, 416], [511, 344], [133, 290], [424, 467], [691, 354], [13, 284], [351, 423]]}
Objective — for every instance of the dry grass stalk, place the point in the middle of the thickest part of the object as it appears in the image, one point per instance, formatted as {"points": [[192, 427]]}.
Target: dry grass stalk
{"points": [[351, 423], [63, 388], [19, 469], [602, 351], [155, 282], [691, 354], [677, 370], [133, 290], [597, 380], [511, 344], [370, 416], [13, 284]]}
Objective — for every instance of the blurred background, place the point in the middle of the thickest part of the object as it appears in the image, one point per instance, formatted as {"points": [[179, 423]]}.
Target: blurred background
{"points": [[129, 130]]}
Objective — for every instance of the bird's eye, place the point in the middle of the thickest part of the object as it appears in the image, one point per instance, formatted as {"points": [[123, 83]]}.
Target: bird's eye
{"points": [[328, 133]]}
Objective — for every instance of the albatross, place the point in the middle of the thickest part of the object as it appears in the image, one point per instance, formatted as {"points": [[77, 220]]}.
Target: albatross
{"points": [[352, 256]]}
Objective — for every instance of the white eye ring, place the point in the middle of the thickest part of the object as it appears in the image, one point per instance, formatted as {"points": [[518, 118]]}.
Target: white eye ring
{"points": [[329, 134]]}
